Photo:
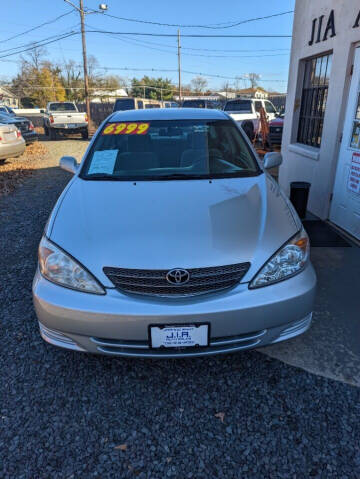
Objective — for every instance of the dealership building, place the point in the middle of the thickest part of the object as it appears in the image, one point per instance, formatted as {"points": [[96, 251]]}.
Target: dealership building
{"points": [[321, 139]]}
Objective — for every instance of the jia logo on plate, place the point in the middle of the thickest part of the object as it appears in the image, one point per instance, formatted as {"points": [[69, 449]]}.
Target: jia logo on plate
{"points": [[178, 276]]}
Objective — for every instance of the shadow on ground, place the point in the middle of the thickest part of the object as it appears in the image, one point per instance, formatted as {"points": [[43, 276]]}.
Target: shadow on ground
{"points": [[66, 414]]}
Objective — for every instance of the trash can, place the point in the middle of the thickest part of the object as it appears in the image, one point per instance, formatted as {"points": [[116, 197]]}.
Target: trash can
{"points": [[299, 194]]}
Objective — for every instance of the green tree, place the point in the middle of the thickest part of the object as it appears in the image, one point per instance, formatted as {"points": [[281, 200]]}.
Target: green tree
{"points": [[38, 81], [152, 88]]}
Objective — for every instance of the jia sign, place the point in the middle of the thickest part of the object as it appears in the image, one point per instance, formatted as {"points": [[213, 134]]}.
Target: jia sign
{"points": [[324, 27]]}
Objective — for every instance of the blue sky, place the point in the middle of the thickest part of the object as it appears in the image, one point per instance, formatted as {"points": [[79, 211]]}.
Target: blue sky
{"points": [[268, 57]]}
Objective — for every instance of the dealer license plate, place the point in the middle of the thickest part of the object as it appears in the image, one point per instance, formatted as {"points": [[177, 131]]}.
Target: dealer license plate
{"points": [[179, 336]]}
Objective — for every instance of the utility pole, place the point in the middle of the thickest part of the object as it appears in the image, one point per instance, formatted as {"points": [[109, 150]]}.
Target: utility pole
{"points": [[102, 7], [86, 78], [179, 64]]}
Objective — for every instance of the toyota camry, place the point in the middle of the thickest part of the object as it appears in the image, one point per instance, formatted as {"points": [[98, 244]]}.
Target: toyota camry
{"points": [[172, 240]]}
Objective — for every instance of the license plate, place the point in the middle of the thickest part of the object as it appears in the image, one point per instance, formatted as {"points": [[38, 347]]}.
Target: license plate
{"points": [[71, 125], [10, 136], [179, 336]]}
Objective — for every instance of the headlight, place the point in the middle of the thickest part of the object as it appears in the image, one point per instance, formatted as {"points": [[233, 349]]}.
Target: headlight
{"points": [[58, 267], [288, 261]]}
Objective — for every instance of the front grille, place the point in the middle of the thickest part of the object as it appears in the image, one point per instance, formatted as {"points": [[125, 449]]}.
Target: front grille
{"points": [[24, 126], [154, 282], [120, 347], [275, 129]]}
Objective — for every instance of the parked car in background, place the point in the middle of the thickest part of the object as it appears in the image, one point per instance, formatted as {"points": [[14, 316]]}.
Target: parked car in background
{"points": [[123, 104], [25, 126], [7, 109], [170, 104], [12, 144], [276, 128], [201, 103], [246, 111], [209, 258], [65, 118]]}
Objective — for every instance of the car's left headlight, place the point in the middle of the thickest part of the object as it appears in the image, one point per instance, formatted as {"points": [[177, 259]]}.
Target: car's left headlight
{"points": [[60, 268], [288, 261]]}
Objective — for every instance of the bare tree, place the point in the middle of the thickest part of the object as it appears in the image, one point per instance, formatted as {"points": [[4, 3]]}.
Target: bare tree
{"points": [[199, 84], [34, 58], [253, 79]]}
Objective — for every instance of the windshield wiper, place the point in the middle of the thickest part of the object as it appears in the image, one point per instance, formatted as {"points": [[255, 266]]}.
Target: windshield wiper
{"points": [[100, 176], [179, 176]]}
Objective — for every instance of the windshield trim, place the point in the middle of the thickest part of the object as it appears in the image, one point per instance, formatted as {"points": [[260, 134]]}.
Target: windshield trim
{"points": [[132, 179], [239, 174]]}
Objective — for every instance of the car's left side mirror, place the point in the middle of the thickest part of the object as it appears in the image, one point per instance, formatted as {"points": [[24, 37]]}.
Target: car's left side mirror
{"points": [[69, 163], [272, 159]]}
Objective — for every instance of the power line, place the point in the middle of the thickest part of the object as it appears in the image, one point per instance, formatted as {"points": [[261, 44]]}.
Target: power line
{"points": [[142, 43], [164, 70], [34, 43], [214, 26], [35, 28], [188, 35], [62, 37]]}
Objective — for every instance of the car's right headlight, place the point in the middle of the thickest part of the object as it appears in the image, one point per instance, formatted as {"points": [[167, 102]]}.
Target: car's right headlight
{"points": [[60, 268], [288, 261]]}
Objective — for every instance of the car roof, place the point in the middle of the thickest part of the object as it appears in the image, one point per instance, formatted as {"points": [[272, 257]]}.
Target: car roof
{"points": [[169, 114]]}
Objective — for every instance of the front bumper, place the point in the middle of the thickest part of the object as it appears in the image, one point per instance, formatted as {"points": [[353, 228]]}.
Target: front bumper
{"points": [[30, 136], [66, 127], [117, 324]]}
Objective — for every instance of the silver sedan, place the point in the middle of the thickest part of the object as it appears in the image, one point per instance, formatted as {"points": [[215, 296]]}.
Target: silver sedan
{"points": [[12, 144], [172, 240]]}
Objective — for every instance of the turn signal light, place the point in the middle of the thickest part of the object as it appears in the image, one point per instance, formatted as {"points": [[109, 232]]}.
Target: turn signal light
{"points": [[51, 118], [18, 134], [86, 119], [31, 126]]}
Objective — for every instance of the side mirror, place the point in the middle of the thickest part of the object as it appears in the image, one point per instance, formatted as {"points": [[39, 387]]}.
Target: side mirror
{"points": [[69, 163], [272, 159], [42, 111]]}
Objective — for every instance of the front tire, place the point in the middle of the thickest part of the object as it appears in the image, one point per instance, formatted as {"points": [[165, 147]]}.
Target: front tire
{"points": [[85, 134], [52, 134], [46, 131], [248, 127]]}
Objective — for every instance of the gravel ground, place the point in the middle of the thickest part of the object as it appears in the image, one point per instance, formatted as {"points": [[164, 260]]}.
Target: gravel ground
{"points": [[71, 415]]}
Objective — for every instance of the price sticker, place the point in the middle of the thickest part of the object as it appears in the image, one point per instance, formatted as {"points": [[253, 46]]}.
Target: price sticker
{"points": [[126, 128]]}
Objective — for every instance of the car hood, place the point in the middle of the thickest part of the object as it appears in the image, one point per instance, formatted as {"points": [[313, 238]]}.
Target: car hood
{"points": [[172, 224]]}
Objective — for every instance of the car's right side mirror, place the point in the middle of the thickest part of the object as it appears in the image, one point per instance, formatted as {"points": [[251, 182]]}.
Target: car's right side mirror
{"points": [[69, 163], [273, 159]]}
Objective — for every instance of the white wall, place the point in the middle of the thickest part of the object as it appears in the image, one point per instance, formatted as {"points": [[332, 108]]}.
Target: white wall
{"points": [[303, 163]]}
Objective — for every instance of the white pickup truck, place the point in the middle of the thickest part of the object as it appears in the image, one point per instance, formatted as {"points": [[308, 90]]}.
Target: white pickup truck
{"points": [[64, 117], [246, 111]]}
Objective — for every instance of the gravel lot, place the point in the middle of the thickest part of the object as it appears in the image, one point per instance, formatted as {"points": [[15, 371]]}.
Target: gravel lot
{"points": [[70, 415]]}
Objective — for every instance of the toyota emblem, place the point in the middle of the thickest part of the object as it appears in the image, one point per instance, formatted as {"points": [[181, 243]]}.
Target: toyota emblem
{"points": [[178, 276]]}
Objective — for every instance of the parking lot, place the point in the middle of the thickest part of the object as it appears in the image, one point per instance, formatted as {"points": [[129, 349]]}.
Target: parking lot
{"points": [[289, 410]]}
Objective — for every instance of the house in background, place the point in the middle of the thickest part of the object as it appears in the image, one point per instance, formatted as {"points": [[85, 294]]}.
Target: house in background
{"points": [[8, 98], [256, 92], [321, 139], [103, 96]]}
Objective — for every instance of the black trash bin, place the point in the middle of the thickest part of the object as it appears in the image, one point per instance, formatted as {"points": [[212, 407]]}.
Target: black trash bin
{"points": [[299, 194]]}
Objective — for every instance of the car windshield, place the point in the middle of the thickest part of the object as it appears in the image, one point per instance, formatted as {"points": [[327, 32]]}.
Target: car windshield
{"points": [[62, 107], [169, 149], [243, 106], [194, 104], [124, 104]]}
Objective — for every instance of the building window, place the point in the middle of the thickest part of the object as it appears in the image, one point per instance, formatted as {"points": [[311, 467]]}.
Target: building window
{"points": [[313, 100]]}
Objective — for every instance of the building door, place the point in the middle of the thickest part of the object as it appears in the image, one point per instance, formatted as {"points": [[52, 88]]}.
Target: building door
{"points": [[345, 206]]}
